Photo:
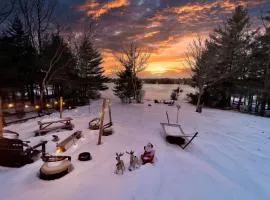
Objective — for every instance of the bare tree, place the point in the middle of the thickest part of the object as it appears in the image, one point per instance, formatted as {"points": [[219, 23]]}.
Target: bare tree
{"points": [[38, 16], [135, 59], [201, 71]]}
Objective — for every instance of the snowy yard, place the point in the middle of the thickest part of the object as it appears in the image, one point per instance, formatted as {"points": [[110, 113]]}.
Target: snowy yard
{"points": [[230, 158]]}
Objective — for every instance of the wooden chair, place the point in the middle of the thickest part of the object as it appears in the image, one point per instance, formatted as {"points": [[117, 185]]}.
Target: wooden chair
{"points": [[16, 153]]}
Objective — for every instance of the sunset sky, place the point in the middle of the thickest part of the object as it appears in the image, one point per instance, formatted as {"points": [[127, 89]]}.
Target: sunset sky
{"points": [[165, 27]]}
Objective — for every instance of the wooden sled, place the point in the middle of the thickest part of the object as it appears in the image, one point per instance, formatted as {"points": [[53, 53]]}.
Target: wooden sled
{"points": [[174, 134], [16, 153], [45, 127]]}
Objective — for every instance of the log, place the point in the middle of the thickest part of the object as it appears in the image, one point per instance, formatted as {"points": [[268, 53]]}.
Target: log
{"points": [[68, 142]]}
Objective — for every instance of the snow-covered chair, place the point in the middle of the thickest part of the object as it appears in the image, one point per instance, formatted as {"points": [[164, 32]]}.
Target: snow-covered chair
{"points": [[16, 153]]}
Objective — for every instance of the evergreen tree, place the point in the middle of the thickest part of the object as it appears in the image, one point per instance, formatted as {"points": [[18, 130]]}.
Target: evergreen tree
{"points": [[259, 70], [17, 57], [233, 41], [124, 85], [90, 72]]}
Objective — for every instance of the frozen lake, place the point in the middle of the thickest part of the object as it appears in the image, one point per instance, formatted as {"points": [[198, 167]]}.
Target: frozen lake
{"points": [[153, 91]]}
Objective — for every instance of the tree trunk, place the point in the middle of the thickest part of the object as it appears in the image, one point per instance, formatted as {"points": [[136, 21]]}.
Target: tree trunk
{"points": [[199, 106], [239, 102], [257, 105], [250, 101], [263, 104], [32, 93]]}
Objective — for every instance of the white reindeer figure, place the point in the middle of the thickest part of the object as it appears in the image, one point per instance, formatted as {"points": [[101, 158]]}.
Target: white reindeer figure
{"points": [[120, 166], [134, 161]]}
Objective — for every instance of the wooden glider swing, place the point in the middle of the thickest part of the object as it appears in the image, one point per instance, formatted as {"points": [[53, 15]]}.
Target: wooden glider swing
{"points": [[98, 122], [174, 134]]}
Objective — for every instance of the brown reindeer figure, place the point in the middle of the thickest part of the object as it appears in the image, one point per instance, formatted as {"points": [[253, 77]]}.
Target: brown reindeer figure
{"points": [[120, 164], [134, 161]]}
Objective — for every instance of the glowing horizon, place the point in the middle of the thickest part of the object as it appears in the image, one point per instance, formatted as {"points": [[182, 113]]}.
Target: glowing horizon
{"points": [[166, 28]]}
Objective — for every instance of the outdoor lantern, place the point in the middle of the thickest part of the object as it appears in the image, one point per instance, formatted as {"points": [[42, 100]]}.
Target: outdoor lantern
{"points": [[10, 105]]}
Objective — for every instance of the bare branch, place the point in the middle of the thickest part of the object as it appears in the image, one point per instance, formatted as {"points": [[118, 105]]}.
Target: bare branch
{"points": [[6, 10]]}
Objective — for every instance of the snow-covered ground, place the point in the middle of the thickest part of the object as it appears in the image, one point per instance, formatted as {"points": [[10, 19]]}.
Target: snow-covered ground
{"points": [[229, 160]]}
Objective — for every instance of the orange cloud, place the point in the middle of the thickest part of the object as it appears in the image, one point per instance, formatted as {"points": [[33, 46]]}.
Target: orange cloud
{"points": [[150, 34], [196, 12], [95, 9]]}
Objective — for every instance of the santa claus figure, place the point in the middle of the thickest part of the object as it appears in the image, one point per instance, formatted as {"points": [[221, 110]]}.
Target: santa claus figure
{"points": [[149, 154]]}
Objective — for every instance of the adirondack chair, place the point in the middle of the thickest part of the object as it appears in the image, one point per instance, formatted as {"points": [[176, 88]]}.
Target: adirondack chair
{"points": [[16, 153]]}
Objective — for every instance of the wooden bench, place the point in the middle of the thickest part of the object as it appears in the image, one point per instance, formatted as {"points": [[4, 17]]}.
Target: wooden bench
{"points": [[45, 127], [68, 142]]}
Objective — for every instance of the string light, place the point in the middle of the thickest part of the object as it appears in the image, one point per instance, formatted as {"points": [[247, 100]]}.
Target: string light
{"points": [[56, 102], [10, 105], [48, 105], [37, 107], [26, 106], [58, 150]]}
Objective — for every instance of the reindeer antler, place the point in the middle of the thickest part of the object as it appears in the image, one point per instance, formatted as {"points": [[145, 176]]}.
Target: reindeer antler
{"points": [[121, 154]]}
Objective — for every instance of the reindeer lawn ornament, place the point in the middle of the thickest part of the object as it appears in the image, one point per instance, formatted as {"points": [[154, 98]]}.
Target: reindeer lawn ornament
{"points": [[120, 164], [134, 161]]}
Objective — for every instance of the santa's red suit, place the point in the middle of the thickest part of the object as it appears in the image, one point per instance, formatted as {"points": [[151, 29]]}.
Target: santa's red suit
{"points": [[149, 154]]}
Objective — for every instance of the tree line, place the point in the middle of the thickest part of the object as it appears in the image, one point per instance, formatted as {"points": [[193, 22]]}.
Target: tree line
{"points": [[231, 67], [40, 59]]}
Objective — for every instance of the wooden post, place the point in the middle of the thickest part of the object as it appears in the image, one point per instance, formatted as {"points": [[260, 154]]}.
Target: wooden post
{"points": [[1, 118], [167, 117], [110, 112], [101, 121], [178, 109], [61, 106]]}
